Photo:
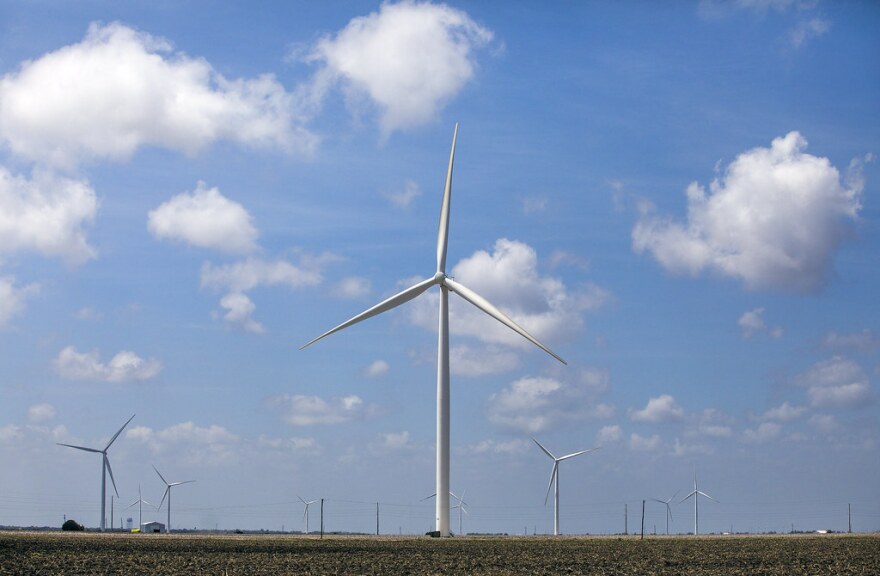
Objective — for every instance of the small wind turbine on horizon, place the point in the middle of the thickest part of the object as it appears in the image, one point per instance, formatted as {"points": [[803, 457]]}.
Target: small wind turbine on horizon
{"points": [[105, 467], [668, 509], [168, 486], [446, 285], [461, 508], [554, 478], [306, 511], [696, 494], [140, 502]]}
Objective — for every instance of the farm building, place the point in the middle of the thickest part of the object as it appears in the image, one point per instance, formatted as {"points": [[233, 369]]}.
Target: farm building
{"points": [[150, 527]]}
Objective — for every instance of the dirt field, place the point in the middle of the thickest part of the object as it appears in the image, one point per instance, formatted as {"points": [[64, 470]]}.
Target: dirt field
{"points": [[154, 554]]}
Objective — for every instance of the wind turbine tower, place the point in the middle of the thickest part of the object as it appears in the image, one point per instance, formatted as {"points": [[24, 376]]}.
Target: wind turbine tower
{"points": [[668, 509], [696, 495], [140, 502], [554, 479], [105, 467], [306, 511], [168, 486], [446, 285]]}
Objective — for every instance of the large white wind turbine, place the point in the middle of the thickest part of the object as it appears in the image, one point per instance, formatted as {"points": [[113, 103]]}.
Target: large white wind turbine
{"points": [[140, 502], [306, 511], [446, 285], [168, 486], [668, 509], [105, 467], [696, 494], [554, 479]]}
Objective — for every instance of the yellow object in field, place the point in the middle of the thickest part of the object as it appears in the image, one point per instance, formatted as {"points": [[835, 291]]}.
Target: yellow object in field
{"points": [[135, 530]]}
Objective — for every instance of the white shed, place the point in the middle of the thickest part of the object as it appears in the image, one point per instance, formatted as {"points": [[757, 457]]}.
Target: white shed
{"points": [[150, 527]]}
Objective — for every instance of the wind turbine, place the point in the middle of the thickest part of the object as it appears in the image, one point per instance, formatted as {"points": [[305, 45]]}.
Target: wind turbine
{"points": [[446, 285], [168, 486], [668, 509], [306, 511], [554, 476], [461, 508], [696, 494], [105, 467], [140, 502]]}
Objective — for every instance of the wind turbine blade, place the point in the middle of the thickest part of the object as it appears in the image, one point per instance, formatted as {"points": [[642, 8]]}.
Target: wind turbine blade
{"points": [[443, 228], [118, 432], [81, 448], [107, 462], [300, 499], [393, 302], [179, 483], [428, 497], [707, 496], [577, 454], [673, 496], [162, 477], [494, 312], [541, 446], [688, 496], [550, 484], [164, 494]]}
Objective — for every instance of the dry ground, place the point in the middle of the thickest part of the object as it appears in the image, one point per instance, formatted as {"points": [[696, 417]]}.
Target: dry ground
{"points": [[153, 554]]}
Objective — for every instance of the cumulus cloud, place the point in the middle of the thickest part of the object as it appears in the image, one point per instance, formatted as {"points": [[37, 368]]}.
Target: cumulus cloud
{"points": [[408, 59], [644, 444], [377, 369], [824, 423], [660, 409], [765, 432], [120, 89], [837, 383], [509, 278], [239, 311], [533, 404], [198, 444], [609, 434], [495, 447], [864, 341], [403, 198], [204, 218], [302, 410], [773, 220], [13, 299], [752, 322], [481, 361], [785, 412], [123, 367], [391, 441], [41, 412], [352, 287], [46, 214], [293, 444]]}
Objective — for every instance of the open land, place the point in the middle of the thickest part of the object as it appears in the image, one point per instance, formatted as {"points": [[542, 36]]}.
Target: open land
{"points": [[90, 553]]}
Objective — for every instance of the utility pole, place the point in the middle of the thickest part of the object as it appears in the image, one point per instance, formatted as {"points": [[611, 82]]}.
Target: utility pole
{"points": [[643, 521], [322, 518], [849, 517], [377, 518], [625, 520], [111, 512]]}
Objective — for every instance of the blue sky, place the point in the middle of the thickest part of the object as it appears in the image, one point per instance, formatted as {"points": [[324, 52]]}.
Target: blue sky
{"points": [[677, 199]]}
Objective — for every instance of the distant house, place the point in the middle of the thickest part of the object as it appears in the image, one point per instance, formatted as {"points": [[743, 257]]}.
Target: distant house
{"points": [[150, 527]]}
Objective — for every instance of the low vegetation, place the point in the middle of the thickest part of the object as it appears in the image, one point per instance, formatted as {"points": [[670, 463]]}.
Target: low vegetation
{"points": [[78, 553]]}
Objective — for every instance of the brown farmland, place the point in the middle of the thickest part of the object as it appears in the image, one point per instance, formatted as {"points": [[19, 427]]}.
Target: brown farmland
{"points": [[65, 553]]}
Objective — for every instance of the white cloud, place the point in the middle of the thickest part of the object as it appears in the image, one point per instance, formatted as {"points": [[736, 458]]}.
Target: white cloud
{"points": [[752, 322], [11, 433], [47, 214], [12, 299], [393, 440], [252, 272], [532, 404], [806, 30], [293, 444], [534, 205], [753, 223], [205, 218], [785, 412], [352, 287], [765, 432], [509, 278], [494, 447], [837, 383], [409, 59], [824, 423], [301, 410], [609, 434], [469, 361], [119, 89], [239, 310], [660, 409], [864, 341], [198, 444], [403, 198], [377, 369], [642, 443], [41, 412], [681, 450], [123, 367]]}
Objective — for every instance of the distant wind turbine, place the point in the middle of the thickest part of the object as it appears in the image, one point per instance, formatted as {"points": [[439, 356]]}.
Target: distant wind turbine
{"points": [[105, 467], [461, 508], [306, 511], [668, 509], [446, 285], [140, 502], [696, 494], [168, 486], [554, 478]]}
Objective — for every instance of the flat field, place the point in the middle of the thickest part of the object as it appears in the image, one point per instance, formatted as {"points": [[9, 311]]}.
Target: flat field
{"points": [[153, 554]]}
